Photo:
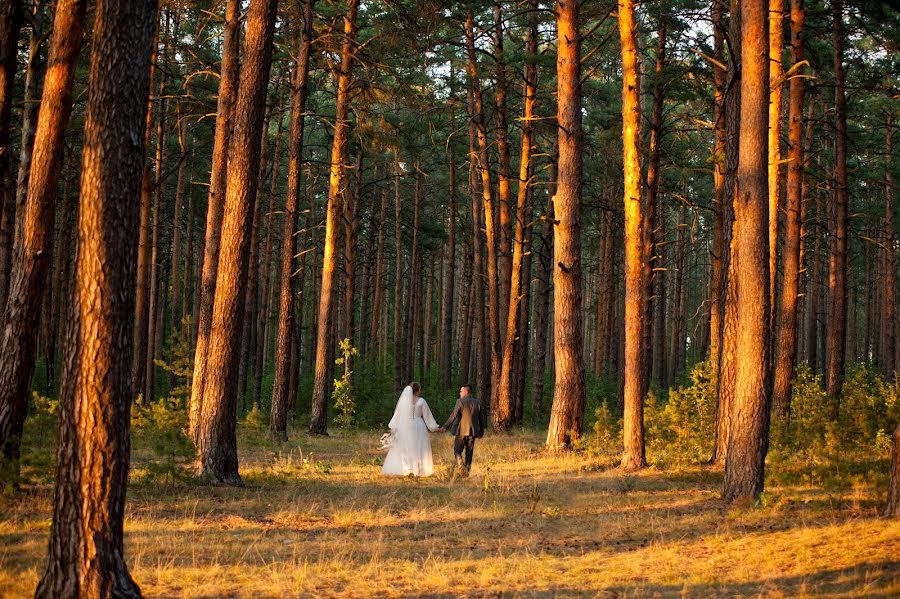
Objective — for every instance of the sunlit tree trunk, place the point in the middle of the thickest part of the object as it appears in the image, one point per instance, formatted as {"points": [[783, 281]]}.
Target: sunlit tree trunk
{"points": [[32, 261], [319, 417], [567, 413], [776, 70], [633, 427], [476, 114], [749, 437], [35, 69], [504, 415], [504, 183], [217, 441], [893, 505], [837, 281], [786, 353], [228, 87], [281, 399], [175, 302], [727, 355], [86, 556]]}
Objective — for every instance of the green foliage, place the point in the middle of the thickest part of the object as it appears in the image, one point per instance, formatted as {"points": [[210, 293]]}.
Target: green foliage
{"points": [[682, 428], [179, 360], [163, 423], [342, 395]]}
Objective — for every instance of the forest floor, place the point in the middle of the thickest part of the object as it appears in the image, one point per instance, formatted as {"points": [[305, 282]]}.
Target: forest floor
{"points": [[316, 518]]}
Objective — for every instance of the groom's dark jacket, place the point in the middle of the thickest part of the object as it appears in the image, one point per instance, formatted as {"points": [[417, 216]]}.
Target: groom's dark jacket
{"points": [[467, 419]]}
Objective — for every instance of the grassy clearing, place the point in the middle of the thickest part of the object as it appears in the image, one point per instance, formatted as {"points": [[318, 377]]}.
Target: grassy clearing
{"points": [[316, 518]]}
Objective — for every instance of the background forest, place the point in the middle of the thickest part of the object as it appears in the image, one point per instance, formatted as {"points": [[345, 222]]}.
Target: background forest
{"points": [[647, 234]]}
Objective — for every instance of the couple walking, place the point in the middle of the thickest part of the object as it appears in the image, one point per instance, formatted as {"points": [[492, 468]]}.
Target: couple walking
{"points": [[410, 447]]}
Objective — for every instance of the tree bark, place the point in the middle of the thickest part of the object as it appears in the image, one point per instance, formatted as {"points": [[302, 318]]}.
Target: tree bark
{"points": [[217, 441], [32, 261], [11, 17], [375, 330], [727, 356], [542, 293], [889, 338], [449, 284], [504, 184], [633, 456], [476, 114], [86, 554], [655, 260], [837, 282], [228, 87], [399, 343], [280, 396], [786, 354], [749, 438], [776, 70], [319, 418], [505, 414], [567, 413], [716, 288]]}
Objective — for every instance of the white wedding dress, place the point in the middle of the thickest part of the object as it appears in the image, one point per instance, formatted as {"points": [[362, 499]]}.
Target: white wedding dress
{"points": [[410, 449]]}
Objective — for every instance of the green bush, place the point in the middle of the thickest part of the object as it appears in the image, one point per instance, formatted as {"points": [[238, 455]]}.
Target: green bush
{"points": [[162, 425], [682, 428]]}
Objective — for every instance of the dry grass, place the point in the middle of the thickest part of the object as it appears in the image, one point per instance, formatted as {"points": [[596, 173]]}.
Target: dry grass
{"points": [[316, 518]]}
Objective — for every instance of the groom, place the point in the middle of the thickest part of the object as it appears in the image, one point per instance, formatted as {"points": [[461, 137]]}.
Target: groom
{"points": [[467, 423]]}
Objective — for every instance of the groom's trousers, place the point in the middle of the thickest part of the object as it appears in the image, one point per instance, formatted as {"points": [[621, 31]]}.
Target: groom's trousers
{"points": [[464, 445]]}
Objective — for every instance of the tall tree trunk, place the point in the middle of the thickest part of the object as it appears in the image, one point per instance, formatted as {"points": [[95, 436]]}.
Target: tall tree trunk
{"points": [[350, 221], [749, 438], [727, 355], [217, 440], [87, 555], [149, 379], [142, 281], [786, 353], [837, 281], [505, 412], [476, 114], [11, 17], [176, 273], [319, 417], [716, 288], [31, 102], [676, 347], [633, 456], [228, 87], [504, 183], [475, 343], [281, 399], [399, 343], [449, 284], [252, 301], [776, 70], [656, 234], [32, 261], [375, 330], [265, 285], [542, 294], [889, 338], [567, 413]]}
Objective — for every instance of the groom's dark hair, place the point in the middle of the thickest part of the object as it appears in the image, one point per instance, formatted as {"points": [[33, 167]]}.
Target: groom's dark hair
{"points": [[468, 386]]}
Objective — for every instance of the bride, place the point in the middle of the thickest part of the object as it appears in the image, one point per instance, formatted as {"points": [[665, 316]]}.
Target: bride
{"points": [[410, 449]]}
